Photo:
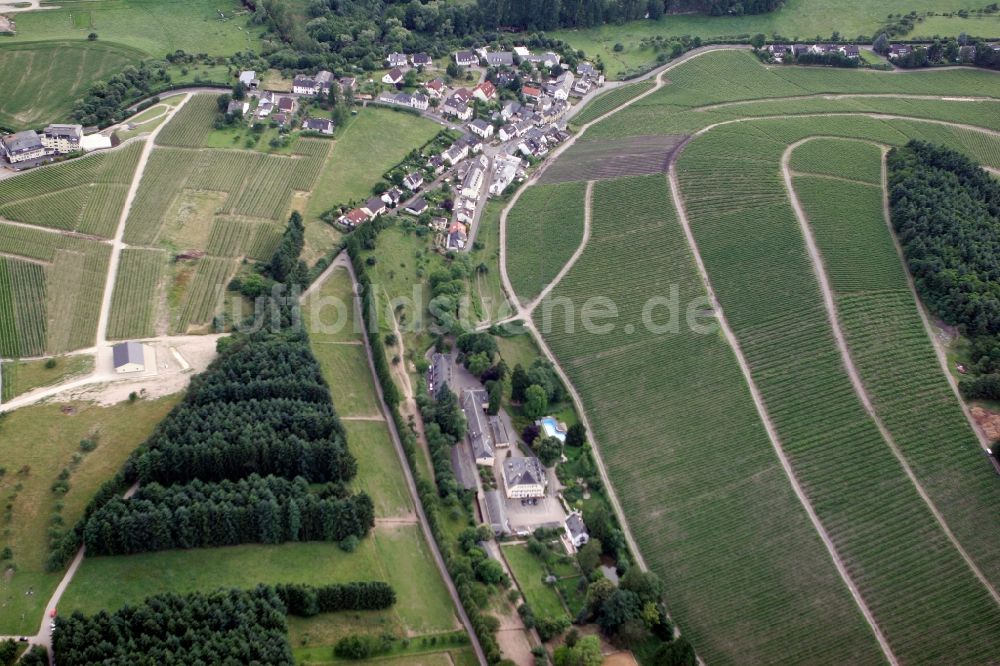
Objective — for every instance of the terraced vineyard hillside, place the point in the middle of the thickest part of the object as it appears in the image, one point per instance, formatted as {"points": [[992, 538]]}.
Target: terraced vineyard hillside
{"points": [[887, 464]]}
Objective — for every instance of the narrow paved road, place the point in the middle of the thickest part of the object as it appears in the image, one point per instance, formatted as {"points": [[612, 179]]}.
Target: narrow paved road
{"points": [[830, 303]]}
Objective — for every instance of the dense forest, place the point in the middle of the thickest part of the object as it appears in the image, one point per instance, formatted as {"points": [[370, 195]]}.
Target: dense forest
{"points": [[946, 211], [205, 515], [223, 627]]}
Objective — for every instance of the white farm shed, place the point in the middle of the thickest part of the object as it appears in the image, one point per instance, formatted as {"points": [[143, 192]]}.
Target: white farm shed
{"points": [[129, 357]]}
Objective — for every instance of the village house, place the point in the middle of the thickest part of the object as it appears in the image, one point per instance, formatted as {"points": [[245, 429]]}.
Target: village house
{"points": [[237, 107], [418, 206], [587, 69], [438, 223], [899, 51], [397, 60], [413, 181], [576, 530], [62, 139], [524, 478], [456, 153], [485, 91], [393, 77], [348, 83], [474, 143], [422, 60], [504, 172], [286, 104], [504, 78], [510, 109], [435, 88], [521, 52], [436, 164], [455, 106], [481, 128], [249, 79], [321, 125], [281, 119], [419, 101], [374, 207], [472, 184], [499, 59], [466, 58], [507, 132], [22, 146], [531, 92], [456, 237], [547, 59], [392, 197], [779, 51], [561, 87], [353, 218], [311, 85]]}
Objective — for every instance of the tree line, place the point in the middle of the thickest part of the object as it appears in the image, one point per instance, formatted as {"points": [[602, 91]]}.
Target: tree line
{"points": [[207, 515], [946, 212], [221, 627]]}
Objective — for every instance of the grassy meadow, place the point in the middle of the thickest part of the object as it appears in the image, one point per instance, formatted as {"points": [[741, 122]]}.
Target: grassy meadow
{"points": [[23, 376], [67, 69], [153, 27], [36, 443]]}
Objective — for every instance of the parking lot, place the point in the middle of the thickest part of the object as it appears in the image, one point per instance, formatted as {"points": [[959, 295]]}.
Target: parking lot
{"points": [[526, 517]]}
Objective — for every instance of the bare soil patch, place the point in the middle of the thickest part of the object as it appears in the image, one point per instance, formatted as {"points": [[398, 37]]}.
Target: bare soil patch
{"points": [[988, 421], [613, 158]]}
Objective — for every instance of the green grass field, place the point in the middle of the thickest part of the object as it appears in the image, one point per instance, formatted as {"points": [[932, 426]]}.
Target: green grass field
{"points": [[35, 444], [371, 143], [543, 231], [530, 574], [797, 19], [153, 27], [715, 521], [23, 376], [41, 80]]}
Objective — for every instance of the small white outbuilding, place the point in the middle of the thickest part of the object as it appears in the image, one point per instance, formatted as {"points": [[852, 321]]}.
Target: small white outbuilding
{"points": [[129, 357]]}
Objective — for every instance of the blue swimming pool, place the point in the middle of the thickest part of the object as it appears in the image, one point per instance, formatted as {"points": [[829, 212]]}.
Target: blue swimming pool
{"points": [[551, 428]]}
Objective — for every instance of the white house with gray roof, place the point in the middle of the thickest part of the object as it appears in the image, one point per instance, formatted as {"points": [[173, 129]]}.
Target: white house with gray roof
{"points": [[576, 530], [129, 357], [22, 147], [524, 477]]}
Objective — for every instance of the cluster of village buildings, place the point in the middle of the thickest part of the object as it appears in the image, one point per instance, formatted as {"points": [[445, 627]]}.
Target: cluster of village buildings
{"points": [[30, 147], [489, 445], [494, 150], [852, 51]]}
